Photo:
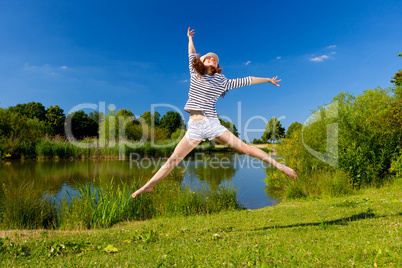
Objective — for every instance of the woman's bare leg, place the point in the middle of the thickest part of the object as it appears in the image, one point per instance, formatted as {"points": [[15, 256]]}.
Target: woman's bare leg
{"points": [[228, 138], [184, 147]]}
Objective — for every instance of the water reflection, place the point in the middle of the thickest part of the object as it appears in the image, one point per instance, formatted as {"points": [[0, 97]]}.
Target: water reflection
{"points": [[212, 169], [206, 170]]}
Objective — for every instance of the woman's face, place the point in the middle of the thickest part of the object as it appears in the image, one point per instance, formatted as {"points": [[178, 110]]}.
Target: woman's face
{"points": [[210, 61]]}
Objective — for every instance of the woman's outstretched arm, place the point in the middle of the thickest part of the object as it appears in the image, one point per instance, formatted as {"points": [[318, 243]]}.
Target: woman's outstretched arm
{"points": [[191, 48], [259, 80]]}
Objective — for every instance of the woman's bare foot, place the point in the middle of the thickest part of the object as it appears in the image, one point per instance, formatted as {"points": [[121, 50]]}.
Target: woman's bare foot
{"points": [[288, 171], [143, 189]]}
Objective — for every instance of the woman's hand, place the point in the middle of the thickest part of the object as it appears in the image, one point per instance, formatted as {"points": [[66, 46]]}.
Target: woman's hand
{"points": [[190, 33], [191, 48], [274, 81]]}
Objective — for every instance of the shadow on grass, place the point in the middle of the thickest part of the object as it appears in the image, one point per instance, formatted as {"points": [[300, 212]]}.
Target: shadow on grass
{"points": [[342, 221]]}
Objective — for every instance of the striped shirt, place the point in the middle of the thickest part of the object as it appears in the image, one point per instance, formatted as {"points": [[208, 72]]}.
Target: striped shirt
{"points": [[206, 89]]}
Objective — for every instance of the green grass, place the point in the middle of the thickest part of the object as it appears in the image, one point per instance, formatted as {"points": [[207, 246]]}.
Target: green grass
{"points": [[102, 204], [363, 230], [97, 207], [25, 207], [315, 184]]}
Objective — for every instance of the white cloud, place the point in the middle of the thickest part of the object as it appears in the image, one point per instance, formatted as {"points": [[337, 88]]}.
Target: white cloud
{"points": [[279, 57], [183, 81], [63, 67], [325, 56], [247, 63], [322, 57]]}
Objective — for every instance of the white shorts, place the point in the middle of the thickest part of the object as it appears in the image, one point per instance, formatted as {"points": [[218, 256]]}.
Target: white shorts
{"points": [[209, 128]]}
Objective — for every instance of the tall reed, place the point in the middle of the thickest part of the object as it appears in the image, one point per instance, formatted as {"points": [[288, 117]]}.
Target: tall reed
{"points": [[25, 207], [97, 206], [171, 199], [101, 206]]}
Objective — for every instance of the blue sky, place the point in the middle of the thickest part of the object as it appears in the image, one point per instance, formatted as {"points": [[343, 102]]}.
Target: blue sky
{"points": [[134, 53]]}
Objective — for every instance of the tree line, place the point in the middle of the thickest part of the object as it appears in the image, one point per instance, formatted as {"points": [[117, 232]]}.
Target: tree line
{"points": [[24, 125]]}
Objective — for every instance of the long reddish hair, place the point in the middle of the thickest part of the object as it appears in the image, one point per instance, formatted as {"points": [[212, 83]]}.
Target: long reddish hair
{"points": [[199, 66]]}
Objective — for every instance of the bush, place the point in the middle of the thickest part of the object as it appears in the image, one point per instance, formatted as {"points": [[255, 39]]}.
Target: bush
{"points": [[369, 134], [347, 144], [315, 184], [19, 134], [396, 166], [178, 134]]}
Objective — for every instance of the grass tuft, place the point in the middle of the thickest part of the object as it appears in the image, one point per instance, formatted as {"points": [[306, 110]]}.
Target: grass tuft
{"points": [[25, 207]]}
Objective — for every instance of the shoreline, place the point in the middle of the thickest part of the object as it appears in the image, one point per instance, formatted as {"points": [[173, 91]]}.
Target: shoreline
{"points": [[97, 155], [360, 230]]}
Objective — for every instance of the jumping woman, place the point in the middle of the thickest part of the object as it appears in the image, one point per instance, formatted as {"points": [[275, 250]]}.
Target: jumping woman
{"points": [[207, 85]]}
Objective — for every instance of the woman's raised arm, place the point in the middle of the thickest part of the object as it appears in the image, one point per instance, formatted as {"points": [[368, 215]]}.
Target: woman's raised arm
{"points": [[259, 80], [191, 48]]}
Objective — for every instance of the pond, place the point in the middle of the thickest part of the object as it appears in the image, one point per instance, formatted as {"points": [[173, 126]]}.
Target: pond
{"points": [[208, 171]]}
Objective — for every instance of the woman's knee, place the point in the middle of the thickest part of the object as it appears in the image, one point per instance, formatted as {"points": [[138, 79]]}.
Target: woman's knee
{"points": [[173, 161]]}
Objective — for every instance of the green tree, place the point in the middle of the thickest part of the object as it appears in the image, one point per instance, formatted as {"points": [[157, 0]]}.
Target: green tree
{"points": [[82, 125], [369, 136], [148, 117], [257, 141], [110, 125], [273, 131], [294, 127], [230, 126], [129, 123], [97, 116], [134, 132], [397, 79], [124, 112], [55, 119], [18, 133], [171, 121], [31, 110]]}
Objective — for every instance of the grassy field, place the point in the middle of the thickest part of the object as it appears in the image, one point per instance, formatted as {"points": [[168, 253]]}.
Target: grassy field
{"points": [[363, 230]]}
